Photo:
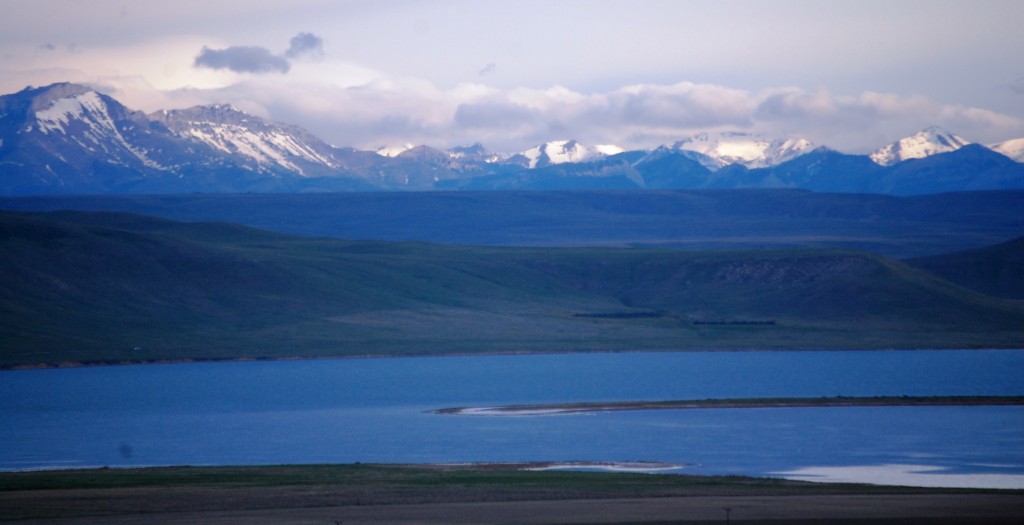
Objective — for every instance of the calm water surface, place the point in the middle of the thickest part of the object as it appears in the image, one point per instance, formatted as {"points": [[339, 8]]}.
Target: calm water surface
{"points": [[372, 410]]}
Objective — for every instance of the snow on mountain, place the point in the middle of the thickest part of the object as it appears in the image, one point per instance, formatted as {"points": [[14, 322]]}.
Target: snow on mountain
{"points": [[393, 150], [608, 149], [476, 152], [1011, 148], [923, 144], [85, 118], [234, 132], [750, 150], [563, 151]]}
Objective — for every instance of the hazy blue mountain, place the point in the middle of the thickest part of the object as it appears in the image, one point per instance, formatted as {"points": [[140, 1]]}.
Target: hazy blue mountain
{"points": [[666, 168], [823, 170], [971, 167]]}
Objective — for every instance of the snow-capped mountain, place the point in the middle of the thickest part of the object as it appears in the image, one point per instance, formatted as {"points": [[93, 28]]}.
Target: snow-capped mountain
{"points": [[252, 141], [925, 143], [1011, 148], [69, 138], [75, 123], [716, 151], [562, 152]]}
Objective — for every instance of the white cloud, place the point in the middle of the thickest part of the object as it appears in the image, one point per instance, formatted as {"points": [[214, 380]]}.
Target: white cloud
{"points": [[365, 73], [384, 110], [352, 105]]}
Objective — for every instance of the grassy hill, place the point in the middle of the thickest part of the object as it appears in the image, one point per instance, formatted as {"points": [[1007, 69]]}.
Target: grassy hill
{"points": [[107, 287], [995, 270]]}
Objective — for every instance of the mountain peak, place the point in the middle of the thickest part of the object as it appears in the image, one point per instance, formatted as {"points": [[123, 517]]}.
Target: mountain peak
{"points": [[750, 150], [564, 151], [927, 142], [46, 95]]}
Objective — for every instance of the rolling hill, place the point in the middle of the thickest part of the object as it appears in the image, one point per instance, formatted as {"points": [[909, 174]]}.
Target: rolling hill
{"points": [[994, 270], [109, 287]]}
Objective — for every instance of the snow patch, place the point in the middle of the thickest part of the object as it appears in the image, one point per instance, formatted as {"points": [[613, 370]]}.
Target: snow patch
{"points": [[90, 109], [393, 151], [266, 147], [1011, 148], [608, 149]]}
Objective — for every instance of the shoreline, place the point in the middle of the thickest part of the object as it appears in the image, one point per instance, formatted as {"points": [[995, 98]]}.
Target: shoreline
{"points": [[471, 494], [189, 360], [691, 404]]}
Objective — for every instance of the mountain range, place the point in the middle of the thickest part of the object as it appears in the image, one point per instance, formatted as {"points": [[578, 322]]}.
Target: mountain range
{"points": [[70, 139]]}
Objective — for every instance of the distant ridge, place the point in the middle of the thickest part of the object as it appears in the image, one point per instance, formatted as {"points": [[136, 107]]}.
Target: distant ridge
{"points": [[900, 227]]}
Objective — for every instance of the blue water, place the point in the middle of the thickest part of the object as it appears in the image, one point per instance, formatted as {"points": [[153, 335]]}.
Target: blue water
{"points": [[373, 410]]}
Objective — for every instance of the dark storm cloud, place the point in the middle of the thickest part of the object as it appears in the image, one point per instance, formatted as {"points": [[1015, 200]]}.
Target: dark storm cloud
{"points": [[256, 59], [305, 44], [242, 59]]}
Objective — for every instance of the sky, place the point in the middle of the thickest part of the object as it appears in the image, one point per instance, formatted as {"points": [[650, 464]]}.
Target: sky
{"points": [[850, 75]]}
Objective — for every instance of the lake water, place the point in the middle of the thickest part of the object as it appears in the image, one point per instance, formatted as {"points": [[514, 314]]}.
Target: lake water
{"points": [[373, 411]]}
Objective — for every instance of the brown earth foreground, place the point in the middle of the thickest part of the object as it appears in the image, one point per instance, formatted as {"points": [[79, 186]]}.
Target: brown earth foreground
{"points": [[470, 494]]}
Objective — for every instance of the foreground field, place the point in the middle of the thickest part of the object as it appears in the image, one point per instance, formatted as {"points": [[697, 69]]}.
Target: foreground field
{"points": [[469, 494]]}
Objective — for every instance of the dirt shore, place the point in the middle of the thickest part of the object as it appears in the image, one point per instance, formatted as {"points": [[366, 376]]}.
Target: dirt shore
{"points": [[845, 509], [470, 495]]}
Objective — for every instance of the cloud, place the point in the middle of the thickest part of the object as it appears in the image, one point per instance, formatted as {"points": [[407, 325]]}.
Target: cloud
{"points": [[256, 59], [242, 59], [380, 109], [305, 44], [487, 70]]}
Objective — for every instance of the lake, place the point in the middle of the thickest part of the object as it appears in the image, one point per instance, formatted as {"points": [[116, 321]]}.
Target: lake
{"points": [[374, 411]]}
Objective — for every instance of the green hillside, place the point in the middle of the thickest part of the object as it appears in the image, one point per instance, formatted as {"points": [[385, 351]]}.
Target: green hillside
{"points": [[995, 270], [104, 287]]}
